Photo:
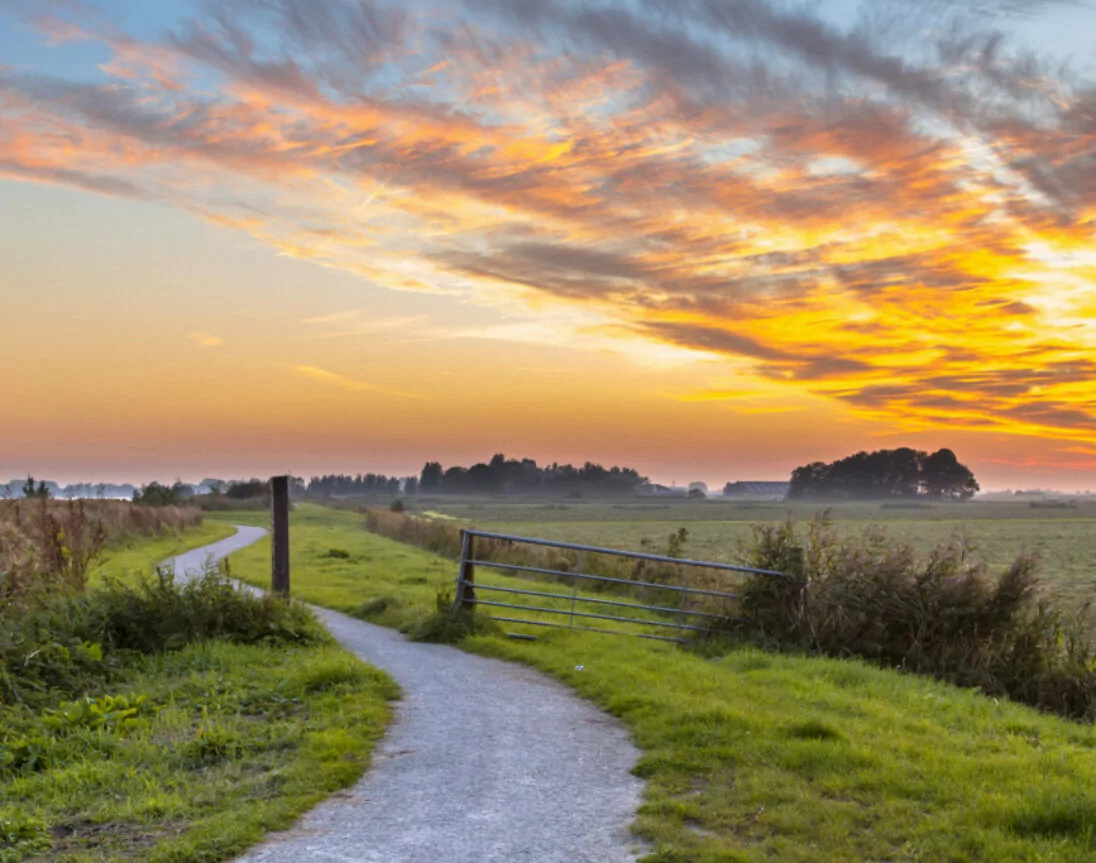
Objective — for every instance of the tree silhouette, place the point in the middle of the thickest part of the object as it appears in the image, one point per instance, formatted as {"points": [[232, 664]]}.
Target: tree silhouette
{"points": [[898, 473]]}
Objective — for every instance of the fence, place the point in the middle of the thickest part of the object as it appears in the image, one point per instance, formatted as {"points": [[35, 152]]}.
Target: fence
{"points": [[652, 616]]}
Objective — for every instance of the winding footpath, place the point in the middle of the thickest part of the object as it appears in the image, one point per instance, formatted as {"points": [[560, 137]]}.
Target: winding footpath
{"points": [[485, 761]]}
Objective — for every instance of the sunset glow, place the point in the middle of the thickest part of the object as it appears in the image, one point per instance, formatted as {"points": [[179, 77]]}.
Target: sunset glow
{"points": [[710, 240]]}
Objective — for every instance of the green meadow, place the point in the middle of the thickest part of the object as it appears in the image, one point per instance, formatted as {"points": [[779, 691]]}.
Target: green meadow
{"points": [[1063, 539], [181, 745], [755, 756]]}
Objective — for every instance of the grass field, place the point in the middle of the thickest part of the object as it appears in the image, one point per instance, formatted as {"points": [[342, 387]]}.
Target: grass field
{"points": [[237, 741], [752, 756], [1064, 539], [142, 554], [186, 755]]}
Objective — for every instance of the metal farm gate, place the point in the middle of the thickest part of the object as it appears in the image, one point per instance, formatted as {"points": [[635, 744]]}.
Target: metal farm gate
{"points": [[648, 608]]}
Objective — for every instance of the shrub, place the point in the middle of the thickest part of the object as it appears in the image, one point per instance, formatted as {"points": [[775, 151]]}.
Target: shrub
{"points": [[63, 642], [943, 616], [223, 503], [436, 536], [109, 712], [164, 613], [450, 624], [47, 643]]}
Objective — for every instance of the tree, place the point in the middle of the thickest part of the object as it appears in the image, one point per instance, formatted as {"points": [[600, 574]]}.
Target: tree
{"points": [[430, 479], [246, 490], [158, 494], [944, 478], [41, 491], [898, 473]]}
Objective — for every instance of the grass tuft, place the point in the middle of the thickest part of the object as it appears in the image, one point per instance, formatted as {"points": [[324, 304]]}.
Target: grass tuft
{"points": [[813, 729], [451, 625], [1069, 815]]}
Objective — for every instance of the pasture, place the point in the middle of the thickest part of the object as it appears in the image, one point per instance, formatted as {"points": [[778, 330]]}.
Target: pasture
{"points": [[1063, 539], [753, 756]]}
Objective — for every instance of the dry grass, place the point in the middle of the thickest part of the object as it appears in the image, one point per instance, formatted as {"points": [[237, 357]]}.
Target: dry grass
{"points": [[444, 538], [50, 545]]}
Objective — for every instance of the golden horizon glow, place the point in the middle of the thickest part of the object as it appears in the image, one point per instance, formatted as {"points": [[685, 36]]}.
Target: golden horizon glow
{"points": [[905, 252]]}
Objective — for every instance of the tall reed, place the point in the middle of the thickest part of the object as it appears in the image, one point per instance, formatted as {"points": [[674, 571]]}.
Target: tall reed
{"points": [[50, 545]]}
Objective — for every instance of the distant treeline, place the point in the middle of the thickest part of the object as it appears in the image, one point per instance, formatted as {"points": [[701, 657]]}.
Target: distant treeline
{"points": [[525, 476], [512, 476], [339, 485], [888, 473]]}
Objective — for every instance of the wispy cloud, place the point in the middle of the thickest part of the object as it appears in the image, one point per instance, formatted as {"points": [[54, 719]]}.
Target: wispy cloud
{"points": [[335, 317], [891, 216], [350, 384], [361, 322], [204, 340]]}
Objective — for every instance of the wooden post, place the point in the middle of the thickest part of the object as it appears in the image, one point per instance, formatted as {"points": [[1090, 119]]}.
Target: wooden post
{"points": [[279, 543], [466, 580]]}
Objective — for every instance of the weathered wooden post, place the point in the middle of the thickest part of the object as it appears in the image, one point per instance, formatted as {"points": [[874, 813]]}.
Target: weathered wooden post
{"points": [[279, 542], [466, 575]]}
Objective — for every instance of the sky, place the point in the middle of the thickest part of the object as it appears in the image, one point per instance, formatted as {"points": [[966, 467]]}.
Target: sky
{"points": [[710, 239]]}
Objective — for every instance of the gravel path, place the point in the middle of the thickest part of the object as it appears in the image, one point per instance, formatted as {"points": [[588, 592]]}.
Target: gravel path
{"points": [[486, 761]]}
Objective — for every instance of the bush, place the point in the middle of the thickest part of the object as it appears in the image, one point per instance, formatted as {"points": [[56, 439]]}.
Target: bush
{"points": [[48, 643], [223, 503], [163, 613], [436, 536], [943, 616], [450, 624], [66, 642]]}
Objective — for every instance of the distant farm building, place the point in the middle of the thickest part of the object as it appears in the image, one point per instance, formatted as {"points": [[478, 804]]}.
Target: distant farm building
{"points": [[656, 490], [777, 490]]}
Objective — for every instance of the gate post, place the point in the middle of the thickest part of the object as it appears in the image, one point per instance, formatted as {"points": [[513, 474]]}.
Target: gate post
{"points": [[279, 542], [466, 573]]}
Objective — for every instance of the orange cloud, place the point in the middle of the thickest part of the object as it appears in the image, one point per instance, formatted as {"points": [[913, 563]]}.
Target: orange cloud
{"points": [[897, 244]]}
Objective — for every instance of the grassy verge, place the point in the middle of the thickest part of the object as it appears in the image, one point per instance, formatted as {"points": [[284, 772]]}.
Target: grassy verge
{"points": [[752, 756], [335, 558], [230, 742], [142, 554], [150, 720]]}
